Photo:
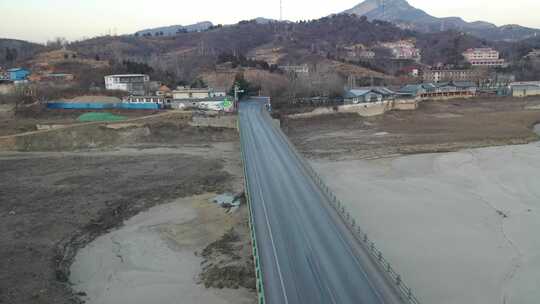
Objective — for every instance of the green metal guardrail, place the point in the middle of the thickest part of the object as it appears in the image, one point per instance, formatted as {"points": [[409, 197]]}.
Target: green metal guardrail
{"points": [[254, 246], [404, 291]]}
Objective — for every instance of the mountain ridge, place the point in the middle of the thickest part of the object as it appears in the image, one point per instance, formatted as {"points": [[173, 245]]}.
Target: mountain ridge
{"points": [[172, 30], [401, 13]]}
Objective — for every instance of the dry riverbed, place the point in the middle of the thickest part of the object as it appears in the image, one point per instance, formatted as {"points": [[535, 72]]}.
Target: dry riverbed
{"points": [[459, 225], [137, 203]]}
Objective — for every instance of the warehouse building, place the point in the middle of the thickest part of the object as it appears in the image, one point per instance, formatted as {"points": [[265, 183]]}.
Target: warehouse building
{"points": [[18, 74], [524, 89]]}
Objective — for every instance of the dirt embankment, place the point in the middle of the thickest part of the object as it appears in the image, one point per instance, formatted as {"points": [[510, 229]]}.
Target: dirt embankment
{"points": [[26, 119], [434, 127], [227, 261], [171, 128]]}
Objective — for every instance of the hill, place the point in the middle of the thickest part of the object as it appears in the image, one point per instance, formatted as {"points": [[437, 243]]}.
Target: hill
{"points": [[401, 13], [14, 51], [279, 43], [175, 29]]}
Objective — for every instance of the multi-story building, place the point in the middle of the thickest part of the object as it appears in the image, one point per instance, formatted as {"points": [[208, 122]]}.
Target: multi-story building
{"points": [[135, 84], [437, 75], [483, 57]]}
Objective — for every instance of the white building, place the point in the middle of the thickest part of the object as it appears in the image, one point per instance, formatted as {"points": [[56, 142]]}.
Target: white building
{"points": [[191, 93], [483, 57], [135, 84], [182, 93], [403, 49]]}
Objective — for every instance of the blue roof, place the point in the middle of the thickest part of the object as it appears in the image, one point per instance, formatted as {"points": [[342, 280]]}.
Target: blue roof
{"points": [[411, 88], [464, 84], [379, 90], [357, 92]]}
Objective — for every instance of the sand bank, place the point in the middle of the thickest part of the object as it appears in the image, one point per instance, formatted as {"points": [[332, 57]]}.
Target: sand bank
{"points": [[151, 259]]}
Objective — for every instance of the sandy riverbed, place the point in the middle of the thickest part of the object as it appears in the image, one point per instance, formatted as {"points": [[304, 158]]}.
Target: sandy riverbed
{"points": [[151, 259], [461, 227]]}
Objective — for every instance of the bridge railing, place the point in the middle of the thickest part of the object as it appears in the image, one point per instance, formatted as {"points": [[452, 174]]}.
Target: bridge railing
{"points": [[253, 234], [360, 235]]}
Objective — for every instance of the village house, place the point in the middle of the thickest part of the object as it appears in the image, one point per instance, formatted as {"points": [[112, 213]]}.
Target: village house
{"points": [[358, 51], [295, 69], [524, 89], [437, 75], [134, 84], [403, 49], [162, 100], [369, 94], [447, 90], [183, 93], [18, 74], [191, 93], [164, 91]]}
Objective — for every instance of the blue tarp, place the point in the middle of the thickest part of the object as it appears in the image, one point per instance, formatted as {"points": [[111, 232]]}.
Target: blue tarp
{"points": [[103, 106]]}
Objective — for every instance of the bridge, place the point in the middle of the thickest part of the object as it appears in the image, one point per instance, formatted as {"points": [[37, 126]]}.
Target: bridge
{"points": [[306, 251]]}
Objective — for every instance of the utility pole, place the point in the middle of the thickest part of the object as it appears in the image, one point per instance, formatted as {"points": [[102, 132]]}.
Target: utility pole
{"points": [[236, 91]]}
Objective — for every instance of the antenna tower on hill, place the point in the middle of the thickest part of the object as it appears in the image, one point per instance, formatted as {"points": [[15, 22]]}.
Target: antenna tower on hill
{"points": [[280, 10]]}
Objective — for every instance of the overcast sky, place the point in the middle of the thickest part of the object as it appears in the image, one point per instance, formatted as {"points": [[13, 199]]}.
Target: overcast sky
{"points": [[41, 20]]}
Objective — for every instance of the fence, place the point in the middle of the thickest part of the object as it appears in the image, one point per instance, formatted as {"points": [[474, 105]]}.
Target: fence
{"points": [[102, 106], [254, 246], [362, 237]]}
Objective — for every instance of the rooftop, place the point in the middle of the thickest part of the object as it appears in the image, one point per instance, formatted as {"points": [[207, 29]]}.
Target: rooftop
{"points": [[127, 75], [17, 69]]}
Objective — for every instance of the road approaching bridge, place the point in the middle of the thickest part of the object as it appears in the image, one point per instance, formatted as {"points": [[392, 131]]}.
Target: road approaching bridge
{"points": [[306, 252]]}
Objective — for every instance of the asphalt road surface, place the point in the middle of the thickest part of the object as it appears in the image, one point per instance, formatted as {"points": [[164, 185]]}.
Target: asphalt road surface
{"points": [[307, 253]]}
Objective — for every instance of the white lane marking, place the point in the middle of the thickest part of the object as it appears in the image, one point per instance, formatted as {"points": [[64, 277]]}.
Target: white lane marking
{"points": [[257, 180]]}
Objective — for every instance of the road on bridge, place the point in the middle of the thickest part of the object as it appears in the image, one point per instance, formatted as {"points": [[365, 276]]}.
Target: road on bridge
{"points": [[307, 254]]}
